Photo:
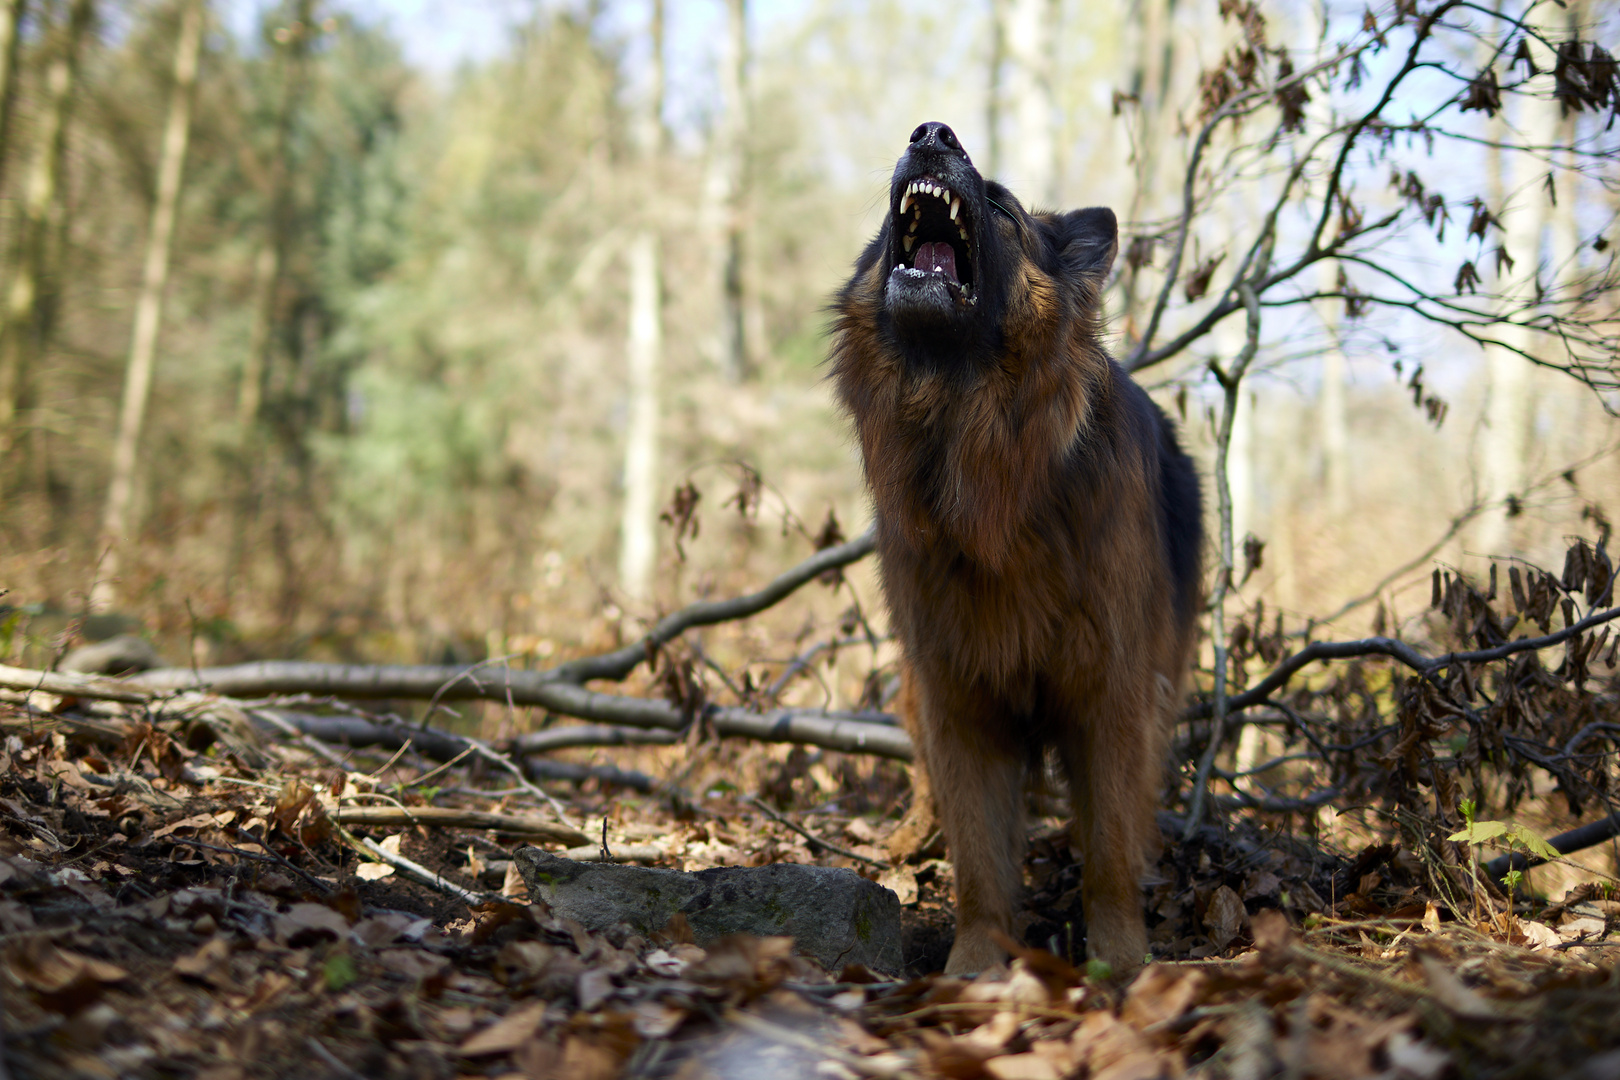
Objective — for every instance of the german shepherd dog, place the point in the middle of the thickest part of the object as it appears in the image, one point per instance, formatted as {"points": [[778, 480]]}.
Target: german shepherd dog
{"points": [[1039, 532]]}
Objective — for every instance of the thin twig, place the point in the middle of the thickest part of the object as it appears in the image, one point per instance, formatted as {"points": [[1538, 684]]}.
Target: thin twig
{"points": [[813, 838], [1232, 383]]}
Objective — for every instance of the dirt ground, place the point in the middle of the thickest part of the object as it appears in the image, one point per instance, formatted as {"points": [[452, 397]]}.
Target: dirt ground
{"points": [[176, 904]]}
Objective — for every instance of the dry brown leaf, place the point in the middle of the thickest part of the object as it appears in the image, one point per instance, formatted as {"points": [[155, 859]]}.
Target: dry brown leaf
{"points": [[657, 1020], [205, 962], [1454, 995], [63, 981], [990, 1037], [1225, 916], [594, 987], [308, 922], [1160, 994], [508, 1033], [1023, 1067], [412, 963], [903, 881]]}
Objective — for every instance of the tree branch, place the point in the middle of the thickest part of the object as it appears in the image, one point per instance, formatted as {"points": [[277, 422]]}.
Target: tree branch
{"points": [[1399, 650]]}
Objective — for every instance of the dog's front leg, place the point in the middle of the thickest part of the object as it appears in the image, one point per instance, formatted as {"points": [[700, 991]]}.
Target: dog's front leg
{"points": [[978, 782]]}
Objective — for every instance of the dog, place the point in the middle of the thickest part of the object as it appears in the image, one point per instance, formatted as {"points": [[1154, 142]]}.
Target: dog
{"points": [[1039, 532]]}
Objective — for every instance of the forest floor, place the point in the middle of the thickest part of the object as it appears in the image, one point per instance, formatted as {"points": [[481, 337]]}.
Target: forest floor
{"points": [[177, 905]]}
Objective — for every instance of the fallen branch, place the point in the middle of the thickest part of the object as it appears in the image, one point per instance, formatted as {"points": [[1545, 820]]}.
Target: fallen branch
{"points": [[812, 837], [354, 731], [1398, 650], [557, 689], [418, 871], [546, 769], [561, 738], [455, 818], [856, 733], [62, 684], [1564, 843]]}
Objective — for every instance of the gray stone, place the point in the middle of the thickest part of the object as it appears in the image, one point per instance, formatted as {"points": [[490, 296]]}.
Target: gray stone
{"points": [[115, 656], [834, 916]]}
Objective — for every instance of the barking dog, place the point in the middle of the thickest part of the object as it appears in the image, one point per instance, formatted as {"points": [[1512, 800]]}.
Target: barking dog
{"points": [[1039, 531]]}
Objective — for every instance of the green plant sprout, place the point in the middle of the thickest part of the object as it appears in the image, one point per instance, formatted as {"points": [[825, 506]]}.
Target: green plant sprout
{"points": [[1515, 836]]}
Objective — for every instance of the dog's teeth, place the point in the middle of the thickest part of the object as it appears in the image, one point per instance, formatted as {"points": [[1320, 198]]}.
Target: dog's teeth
{"points": [[913, 225], [962, 231], [905, 202], [956, 205], [907, 241]]}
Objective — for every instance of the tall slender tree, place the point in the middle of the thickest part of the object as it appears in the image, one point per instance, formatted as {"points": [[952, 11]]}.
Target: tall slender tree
{"points": [[1510, 406], [149, 305], [724, 194], [293, 40], [644, 349], [1029, 32], [25, 320], [11, 18]]}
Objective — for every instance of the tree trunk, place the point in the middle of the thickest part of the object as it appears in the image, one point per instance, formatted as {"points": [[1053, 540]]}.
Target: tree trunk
{"points": [[992, 96], [644, 349], [1509, 408], [23, 322], [1149, 83], [724, 192], [11, 17], [149, 306], [269, 268], [1028, 31]]}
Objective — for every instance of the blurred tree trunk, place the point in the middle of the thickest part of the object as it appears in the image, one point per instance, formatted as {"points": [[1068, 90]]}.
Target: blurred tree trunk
{"points": [[724, 194], [11, 17], [1509, 408], [1148, 87], [270, 268], [992, 97], [25, 322], [259, 473], [1029, 30], [644, 349], [149, 305]]}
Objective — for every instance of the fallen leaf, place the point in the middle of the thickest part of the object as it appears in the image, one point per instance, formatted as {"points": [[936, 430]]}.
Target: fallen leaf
{"points": [[1581, 928], [903, 881], [1414, 1059], [1454, 995], [412, 963], [1023, 1067], [1161, 993], [1539, 935], [1225, 916], [595, 986], [305, 923], [992, 1036], [657, 1020], [205, 962], [63, 981], [508, 1033]]}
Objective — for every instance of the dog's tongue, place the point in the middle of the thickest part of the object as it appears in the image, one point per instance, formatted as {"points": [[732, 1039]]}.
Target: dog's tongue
{"points": [[937, 256]]}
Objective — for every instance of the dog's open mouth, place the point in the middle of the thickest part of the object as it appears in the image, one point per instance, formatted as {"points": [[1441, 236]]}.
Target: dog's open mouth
{"points": [[934, 230]]}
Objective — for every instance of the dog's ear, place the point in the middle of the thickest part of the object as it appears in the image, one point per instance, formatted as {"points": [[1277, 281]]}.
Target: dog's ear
{"points": [[1087, 242]]}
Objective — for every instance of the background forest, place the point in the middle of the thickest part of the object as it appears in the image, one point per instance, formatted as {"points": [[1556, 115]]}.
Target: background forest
{"points": [[430, 349]]}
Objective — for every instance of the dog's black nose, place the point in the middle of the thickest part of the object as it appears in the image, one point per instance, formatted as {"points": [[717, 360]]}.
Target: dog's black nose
{"points": [[935, 134]]}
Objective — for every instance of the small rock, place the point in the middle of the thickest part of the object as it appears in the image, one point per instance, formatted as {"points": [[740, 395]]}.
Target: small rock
{"points": [[115, 656], [834, 916]]}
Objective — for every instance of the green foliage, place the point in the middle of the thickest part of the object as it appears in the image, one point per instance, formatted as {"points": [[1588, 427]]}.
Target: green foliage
{"points": [[1515, 837]]}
